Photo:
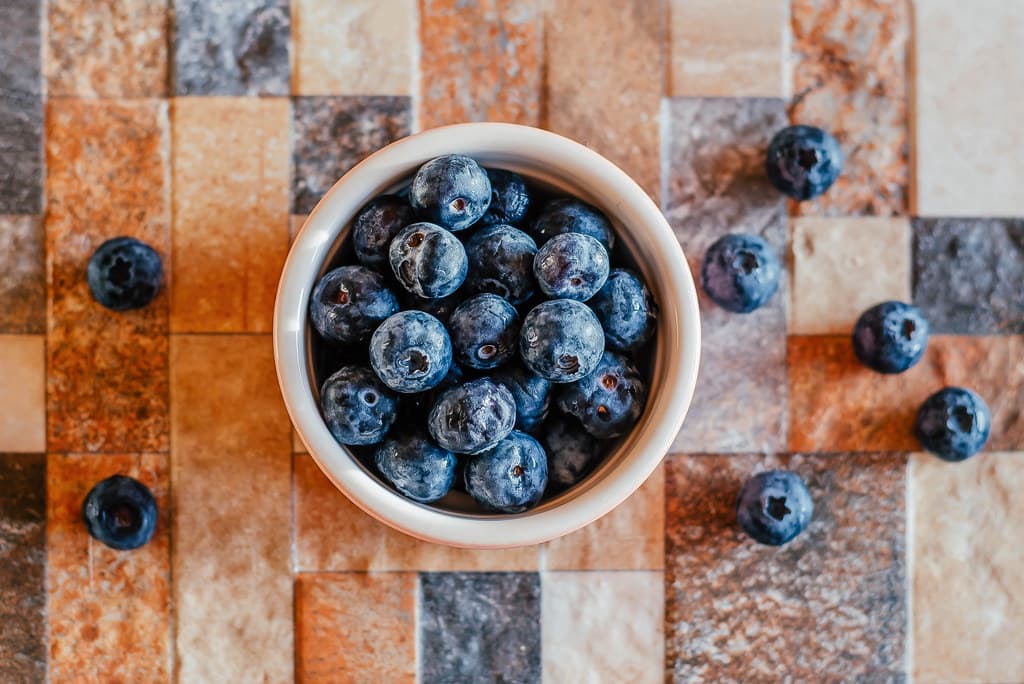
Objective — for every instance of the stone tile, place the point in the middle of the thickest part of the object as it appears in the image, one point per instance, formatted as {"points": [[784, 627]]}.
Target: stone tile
{"points": [[728, 49], [829, 606], [477, 627], [968, 590], [332, 42], [330, 135], [850, 65], [23, 393], [22, 275], [21, 108], [968, 274], [842, 266], [107, 49], [330, 649], [716, 185], [331, 534], [837, 404], [480, 61], [109, 611], [604, 78], [23, 568], [108, 174], [236, 48], [231, 467], [230, 226], [628, 538], [968, 151], [603, 626]]}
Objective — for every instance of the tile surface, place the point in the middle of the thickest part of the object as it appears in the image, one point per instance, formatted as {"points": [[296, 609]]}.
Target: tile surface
{"points": [[23, 393], [22, 275], [21, 108]]}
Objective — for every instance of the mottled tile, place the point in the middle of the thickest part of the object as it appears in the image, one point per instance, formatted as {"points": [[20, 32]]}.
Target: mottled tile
{"points": [[716, 185], [23, 393], [236, 48], [604, 78], [97, 48], [22, 275], [480, 61], [328, 647], [968, 274], [332, 534], [842, 266], [108, 175], [332, 42], [21, 108], [968, 589], [628, 538], [603, 626], [479, 627], [330, 135], [850, 77], [231, 468], [230, 208], [828, 606], [295, 223], [23, 568], [968, 150]]}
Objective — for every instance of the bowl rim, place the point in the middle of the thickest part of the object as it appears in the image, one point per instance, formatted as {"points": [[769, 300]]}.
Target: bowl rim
{"points": [[675, 368]]}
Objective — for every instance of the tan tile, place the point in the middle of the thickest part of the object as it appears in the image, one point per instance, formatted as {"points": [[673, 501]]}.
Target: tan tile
{"points": [[631, 537], [332, 42], [329, 647], [231, 196], [842, 266], [231, 466], [109, 611], [332, 534], [23, 393], [968, 588], [22, 274], [603, 626], [295, 223]]}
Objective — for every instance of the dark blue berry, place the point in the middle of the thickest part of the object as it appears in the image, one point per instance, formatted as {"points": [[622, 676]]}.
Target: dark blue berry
{"points": [[441, 308], [124, 274], [740, 272], [120, 512], [411, 352], [803, 161], [608, 401], [572, 451], [485, 331], [561, 340], [501, 262], [472, 417], [428, 260], [774, 507], [571, 266], [954, 423], [357, 407], [451, 191], [890, 337], [531, 392], [349, 302], [570, 215], [510, 198], [376, 225], [626, 310], [510, 477], [416, 467]]}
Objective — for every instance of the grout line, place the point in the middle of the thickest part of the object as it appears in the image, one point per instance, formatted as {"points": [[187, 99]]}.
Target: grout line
{"points": [[415, 70], [908, 568]]}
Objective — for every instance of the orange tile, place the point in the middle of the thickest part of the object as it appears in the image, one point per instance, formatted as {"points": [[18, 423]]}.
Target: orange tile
{"points": [[23, 393]]}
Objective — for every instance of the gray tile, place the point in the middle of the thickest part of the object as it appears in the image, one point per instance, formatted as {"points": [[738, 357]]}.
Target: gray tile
{"points": [[330, 135], [22, 275], [21, 108], [232, 48], [968, 274], [479, 627]]}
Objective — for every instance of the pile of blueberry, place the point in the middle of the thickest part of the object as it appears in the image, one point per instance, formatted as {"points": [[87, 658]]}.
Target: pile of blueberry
{"points": [[459, 311]]}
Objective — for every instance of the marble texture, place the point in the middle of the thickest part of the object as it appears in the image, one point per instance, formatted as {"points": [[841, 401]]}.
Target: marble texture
{"points": [[829, 606], [22, 274], [21, 108], [23, 393], [478, 628]]}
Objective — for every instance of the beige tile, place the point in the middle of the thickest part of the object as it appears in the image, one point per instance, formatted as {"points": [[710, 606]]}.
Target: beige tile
{"points": [[969, 90], [23, 393], [727, 48], [842, 266], [229, 233], [603, 626], [358, 47], [631, 537], [231, 463], [297, 446], [968, 588]]}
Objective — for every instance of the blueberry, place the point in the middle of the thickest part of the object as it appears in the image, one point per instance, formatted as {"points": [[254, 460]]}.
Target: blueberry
{"points": [[571, 266], [376, 225], [414, 408], [411, 352], [954, 423], [452, 191], [510, 199], [441, 308], [428, 260], [510, 477], [890, 337], [803, 161], [120, 512], [416, 467], [472, 417], [626, 310], [357, 408], [349, 303], [501, 262], [572, 451], [561, 340], [531, 393], [608, 401], [124, 274], [740, 272], [484, 330], [774, 507], [570, 215]]}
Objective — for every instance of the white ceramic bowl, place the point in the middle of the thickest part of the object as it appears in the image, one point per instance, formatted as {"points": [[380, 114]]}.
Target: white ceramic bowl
{"points": [[565, 165]]}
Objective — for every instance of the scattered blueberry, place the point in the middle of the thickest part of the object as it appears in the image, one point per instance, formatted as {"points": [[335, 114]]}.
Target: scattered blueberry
{"points": [[570, 215], [120, 512], [608, 401], [954, 423], [485, 331], [510, 477], [890, 337], [561, 340], [416, 467], [452, 191], [376, 225], [428, 260], [124, 274], [349, 302], [510, 198], [572, 451], [501, 262], [411, 352], [803, 161], [626, 310], [472, 417], [571, 266], [531, 393], [740, 272], [774, 507], [357, 408]]}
